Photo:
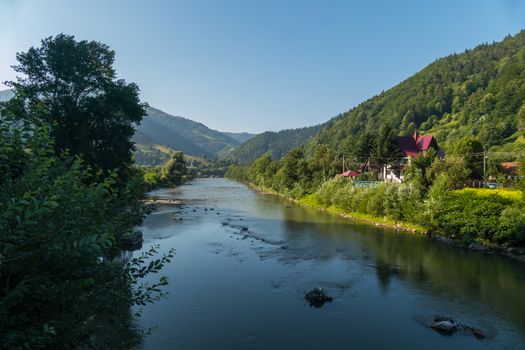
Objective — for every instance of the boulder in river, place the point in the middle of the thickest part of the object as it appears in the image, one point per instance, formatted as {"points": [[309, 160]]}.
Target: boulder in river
{"points": [[444, 325], [244, 229], [317, 297], [448, 326], [516, 251], [476, 246], [478, 333], [132, 240]]}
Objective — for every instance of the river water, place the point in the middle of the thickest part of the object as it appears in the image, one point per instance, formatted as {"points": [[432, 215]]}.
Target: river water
{"points": [[235, 289]]}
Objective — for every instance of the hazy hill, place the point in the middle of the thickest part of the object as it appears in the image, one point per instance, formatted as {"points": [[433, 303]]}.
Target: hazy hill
{"points": [[275, 143], [478, 92], [5, 95], [239, 136]]}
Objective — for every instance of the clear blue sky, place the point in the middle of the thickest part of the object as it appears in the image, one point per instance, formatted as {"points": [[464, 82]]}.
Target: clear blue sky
{"points": [[262, 65]]}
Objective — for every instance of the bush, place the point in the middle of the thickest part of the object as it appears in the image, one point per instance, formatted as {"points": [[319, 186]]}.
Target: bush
{"points": [[468, 216]]}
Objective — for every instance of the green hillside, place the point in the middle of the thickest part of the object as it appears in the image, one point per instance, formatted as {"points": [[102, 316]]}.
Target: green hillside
{"points": [[480, 92], [275, 143], [181, 134], [152, 154]]}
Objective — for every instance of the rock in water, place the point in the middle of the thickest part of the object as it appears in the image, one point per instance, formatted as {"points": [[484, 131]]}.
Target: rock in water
{"points": [[317, 297], [131, 241], [478, 333], [476, 246], [444, 325]]}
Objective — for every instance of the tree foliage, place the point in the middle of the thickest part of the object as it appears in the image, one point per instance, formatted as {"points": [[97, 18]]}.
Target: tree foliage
{"points": [[60, 288], [71, 87], [64, 210]]}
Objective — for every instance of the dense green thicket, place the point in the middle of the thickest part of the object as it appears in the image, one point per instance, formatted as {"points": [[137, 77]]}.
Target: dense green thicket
{"points": [[68, 194], [426, 199], [480, 92], [60, 288]]}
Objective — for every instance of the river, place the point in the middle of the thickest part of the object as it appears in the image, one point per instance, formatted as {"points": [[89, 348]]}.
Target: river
{"points": [[235, 289]]}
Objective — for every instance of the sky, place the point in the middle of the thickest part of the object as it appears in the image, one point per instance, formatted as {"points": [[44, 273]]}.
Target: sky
{"points": [[261, 65]]}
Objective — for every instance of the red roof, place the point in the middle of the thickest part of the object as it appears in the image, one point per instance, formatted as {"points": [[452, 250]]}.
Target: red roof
{"points": [[413, 145], [350, 173]]}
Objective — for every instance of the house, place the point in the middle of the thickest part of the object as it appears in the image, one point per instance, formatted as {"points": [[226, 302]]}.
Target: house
{"points": [[411, 146]]}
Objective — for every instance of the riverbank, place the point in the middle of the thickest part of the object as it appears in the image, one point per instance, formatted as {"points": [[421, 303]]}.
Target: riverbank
{"points": [[515, 253], [309, 201]]}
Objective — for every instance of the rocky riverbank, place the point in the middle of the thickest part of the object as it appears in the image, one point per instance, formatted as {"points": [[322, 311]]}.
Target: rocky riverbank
{"points": [[170, 202]]}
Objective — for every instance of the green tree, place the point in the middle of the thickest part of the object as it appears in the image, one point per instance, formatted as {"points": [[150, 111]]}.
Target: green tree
{"points": [[418, 168], [293, 171], [365, 146], [471, 149], [455, 168], [173, 171], [520, 118], [71, 87], [322, 162], [386, 149]]}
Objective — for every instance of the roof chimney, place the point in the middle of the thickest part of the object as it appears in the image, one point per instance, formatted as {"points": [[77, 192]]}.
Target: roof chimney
{"points": [[416, 135]]}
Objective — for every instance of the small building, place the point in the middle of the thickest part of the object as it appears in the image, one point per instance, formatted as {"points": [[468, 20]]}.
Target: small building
{"points": [[411, 146], [350, 174], [510, 170]]}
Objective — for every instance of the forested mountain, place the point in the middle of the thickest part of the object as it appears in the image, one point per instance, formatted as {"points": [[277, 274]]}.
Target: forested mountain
{"points": [[480, 92], [239, 136], [181, 134], [274, 143]]}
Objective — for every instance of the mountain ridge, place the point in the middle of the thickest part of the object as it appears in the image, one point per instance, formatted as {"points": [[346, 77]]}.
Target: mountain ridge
{"points": [[477, 92]]}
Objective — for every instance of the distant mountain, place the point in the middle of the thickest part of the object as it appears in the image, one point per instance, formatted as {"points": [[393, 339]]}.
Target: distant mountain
{"points": [[181, 134], [239, 136], [275, 143], [6, 95]]}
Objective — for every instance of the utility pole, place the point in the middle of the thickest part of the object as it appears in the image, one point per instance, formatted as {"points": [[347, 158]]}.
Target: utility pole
{"points": [[484, 166]]}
